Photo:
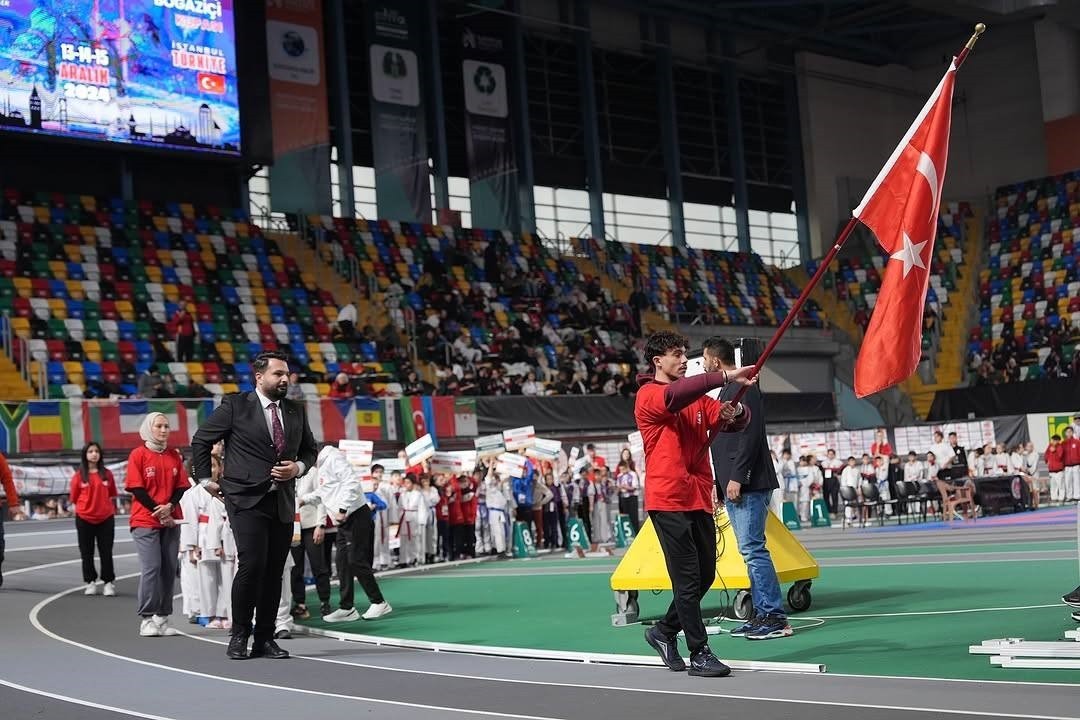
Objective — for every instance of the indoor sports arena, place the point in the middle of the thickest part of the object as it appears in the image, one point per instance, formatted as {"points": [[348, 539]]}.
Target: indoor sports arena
{"points": [[539, 359]]}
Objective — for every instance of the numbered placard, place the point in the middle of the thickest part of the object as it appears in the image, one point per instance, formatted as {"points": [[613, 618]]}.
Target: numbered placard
{"points": [[489, 446], [519, 438], [420, 450], [544, 450]]}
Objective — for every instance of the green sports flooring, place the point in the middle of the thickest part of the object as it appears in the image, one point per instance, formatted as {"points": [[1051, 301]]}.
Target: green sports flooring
{"points": [[914, 620]]}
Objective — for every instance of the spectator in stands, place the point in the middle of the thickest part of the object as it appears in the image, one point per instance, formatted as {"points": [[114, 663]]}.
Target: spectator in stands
{"points": [[181, 328], [342, 388], [155, 478], [412, 385], [531, 387], [149, 382], [9, 503], [346, 322], [195, 389], [93, 495], [168, 387]]}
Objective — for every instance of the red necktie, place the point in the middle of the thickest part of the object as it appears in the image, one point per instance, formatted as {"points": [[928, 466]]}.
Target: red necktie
{"points": [[279, 431]]}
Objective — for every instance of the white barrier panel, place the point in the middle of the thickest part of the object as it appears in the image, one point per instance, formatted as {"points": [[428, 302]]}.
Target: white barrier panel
{"points": [[419, 450]]}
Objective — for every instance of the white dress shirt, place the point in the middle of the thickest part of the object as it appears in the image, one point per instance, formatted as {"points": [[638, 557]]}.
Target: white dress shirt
{"points": [[265, 403]]}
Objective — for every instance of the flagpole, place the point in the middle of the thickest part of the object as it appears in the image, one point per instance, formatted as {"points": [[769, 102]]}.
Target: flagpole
{"points": [[793, 313]]}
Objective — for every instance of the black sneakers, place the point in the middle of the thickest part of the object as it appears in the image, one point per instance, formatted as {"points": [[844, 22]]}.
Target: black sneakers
{"points": [[666, 647], [1072, 599], [704, 664]]}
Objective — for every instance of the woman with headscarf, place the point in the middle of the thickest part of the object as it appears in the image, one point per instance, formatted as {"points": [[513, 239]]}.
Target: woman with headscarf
{"points": [[156, 480], [93, 496]]}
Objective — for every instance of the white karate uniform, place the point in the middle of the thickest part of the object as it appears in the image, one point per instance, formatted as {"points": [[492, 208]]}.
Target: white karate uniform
{"points": [[914, 472], [498, 517], [482, 526], [383, 520], [213, 595], [431, 530], [189, 540], [413, 520], [852, 478]]}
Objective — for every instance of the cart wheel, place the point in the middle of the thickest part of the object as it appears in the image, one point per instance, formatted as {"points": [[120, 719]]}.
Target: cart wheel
{"points": [[743, 606], [798, 596]]}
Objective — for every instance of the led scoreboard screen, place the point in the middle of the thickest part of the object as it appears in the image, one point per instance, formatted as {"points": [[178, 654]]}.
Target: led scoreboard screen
{"points": [[155, 73]]}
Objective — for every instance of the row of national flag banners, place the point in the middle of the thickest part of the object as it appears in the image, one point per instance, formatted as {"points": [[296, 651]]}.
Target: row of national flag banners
{"points": [[51, 425]]}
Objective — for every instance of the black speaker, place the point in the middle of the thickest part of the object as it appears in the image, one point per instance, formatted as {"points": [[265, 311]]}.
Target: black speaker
{"points": [[748, 351]]}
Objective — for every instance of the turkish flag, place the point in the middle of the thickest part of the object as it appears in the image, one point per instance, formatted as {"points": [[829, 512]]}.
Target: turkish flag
{"points": [[210, 83], [901, 208]]}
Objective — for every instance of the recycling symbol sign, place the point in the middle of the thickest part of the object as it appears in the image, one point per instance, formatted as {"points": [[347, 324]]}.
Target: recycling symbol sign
{"points": [[484, 80]]}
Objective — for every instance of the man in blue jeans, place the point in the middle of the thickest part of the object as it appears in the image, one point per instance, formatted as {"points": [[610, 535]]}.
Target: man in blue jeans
{"points": [[746, 479]]}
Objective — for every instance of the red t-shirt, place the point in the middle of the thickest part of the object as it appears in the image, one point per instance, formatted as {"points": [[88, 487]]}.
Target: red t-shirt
{"points": [[93, 500], [1071, 451], [1055, 458], [678, 474], [161, 474], [883, 448]]}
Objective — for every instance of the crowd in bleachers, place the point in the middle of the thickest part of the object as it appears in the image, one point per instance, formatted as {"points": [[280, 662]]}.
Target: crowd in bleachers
{"points": [[696, 286], [1029, 294], [492, 316]]}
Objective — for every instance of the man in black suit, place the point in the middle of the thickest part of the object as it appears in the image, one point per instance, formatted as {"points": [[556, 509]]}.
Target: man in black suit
{"points": [[267, 445], [745, 481]]}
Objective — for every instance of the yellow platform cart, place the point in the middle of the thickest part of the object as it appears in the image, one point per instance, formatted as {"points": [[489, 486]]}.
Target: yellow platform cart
{"points": [[643, 568]]}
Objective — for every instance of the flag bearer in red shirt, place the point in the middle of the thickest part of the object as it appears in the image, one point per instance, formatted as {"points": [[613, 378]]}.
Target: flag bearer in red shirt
{"points": [[93, 495], [1055, 465], [676, 420]]}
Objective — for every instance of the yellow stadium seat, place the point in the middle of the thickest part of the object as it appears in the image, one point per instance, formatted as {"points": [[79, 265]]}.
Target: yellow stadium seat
{"points": [[22, 286], [92, 350], [317, 366], [229, 388], [323, 389], [21, 327], [58, 308]]}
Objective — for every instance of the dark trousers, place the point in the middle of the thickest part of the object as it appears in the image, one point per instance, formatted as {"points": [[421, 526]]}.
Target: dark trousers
{"points": [[457, 541], [628, 505], [262, 545], [551, 529], [538, 522], [356, 552], [446, 539], [585, 515], [688, 540], [185, 348], [316, 556], [101, 534], [832, 495]]}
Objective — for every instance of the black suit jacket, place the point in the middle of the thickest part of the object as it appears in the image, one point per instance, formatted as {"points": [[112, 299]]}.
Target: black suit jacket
{"points": [[249, 450], [744, 456]]}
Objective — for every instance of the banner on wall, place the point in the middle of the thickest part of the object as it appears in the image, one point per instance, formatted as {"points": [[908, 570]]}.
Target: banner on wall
{"points": [[489, 135], [298, 107], [398, 119]]}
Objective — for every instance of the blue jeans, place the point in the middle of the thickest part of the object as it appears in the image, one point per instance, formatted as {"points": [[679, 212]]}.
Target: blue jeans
{"points": [[748, 521]]}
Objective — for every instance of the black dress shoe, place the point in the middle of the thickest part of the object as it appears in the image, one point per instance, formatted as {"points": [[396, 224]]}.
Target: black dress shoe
{"points": [[268, 649], [237, 648]]}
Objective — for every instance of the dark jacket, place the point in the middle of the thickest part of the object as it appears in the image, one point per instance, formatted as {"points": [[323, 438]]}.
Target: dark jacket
{"points": [[744, 456], [249, 450]]}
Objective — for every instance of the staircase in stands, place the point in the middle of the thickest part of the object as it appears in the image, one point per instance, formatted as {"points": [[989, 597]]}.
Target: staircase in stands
{"points": [[652, 320], [12, 385], [322, 267], [954, 328]]}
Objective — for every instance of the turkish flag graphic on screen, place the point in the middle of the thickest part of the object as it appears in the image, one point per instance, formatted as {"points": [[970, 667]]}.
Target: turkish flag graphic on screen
{"points": [[210, 83]]}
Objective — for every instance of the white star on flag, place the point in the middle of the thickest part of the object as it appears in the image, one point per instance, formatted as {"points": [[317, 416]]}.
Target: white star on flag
{"points": [[910, 255]]}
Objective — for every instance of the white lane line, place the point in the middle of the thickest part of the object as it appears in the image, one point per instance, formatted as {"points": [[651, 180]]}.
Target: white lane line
{"points": [[36, 622], [685, 693], [84, 703], [930, 612], [11, 534], [57, 547], [60, 564]]}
